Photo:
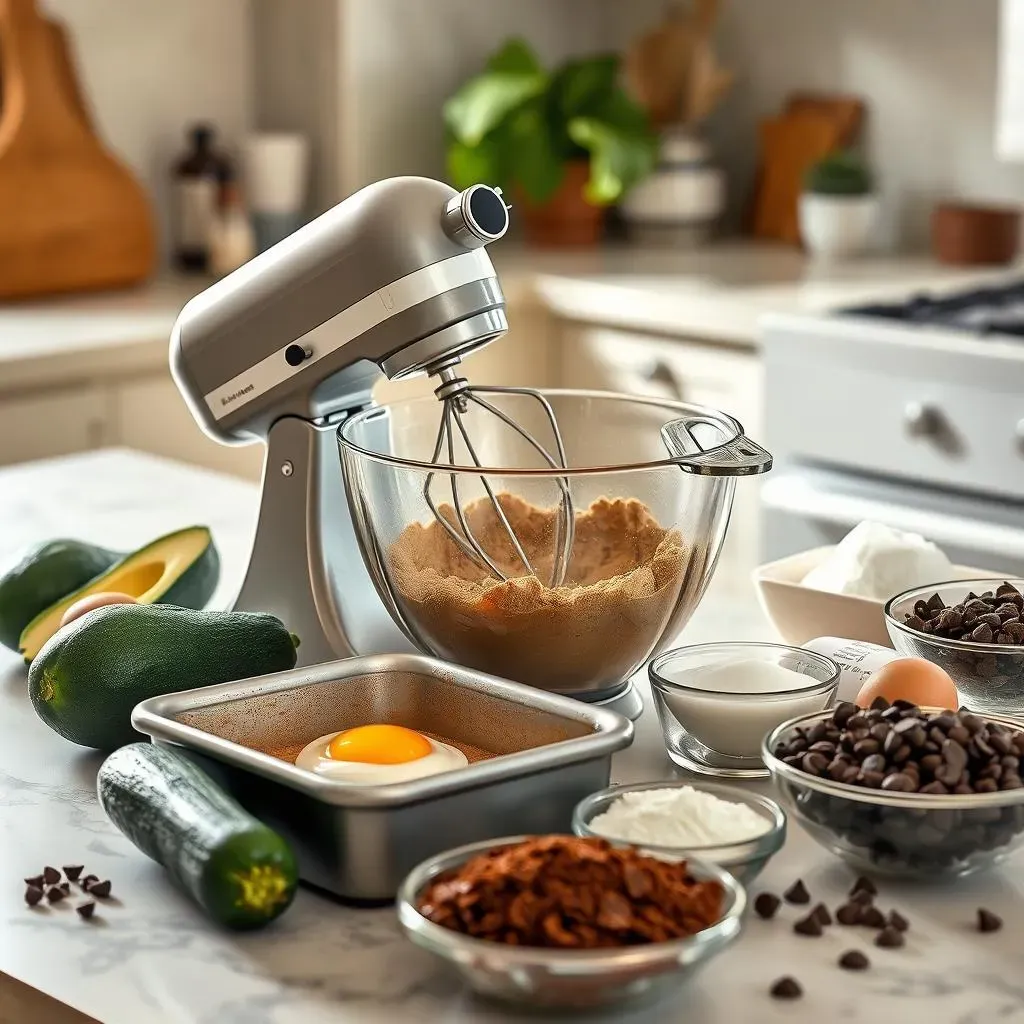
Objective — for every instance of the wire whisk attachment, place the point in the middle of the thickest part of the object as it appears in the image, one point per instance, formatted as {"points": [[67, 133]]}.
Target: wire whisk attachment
{"points": [[456, 394]]}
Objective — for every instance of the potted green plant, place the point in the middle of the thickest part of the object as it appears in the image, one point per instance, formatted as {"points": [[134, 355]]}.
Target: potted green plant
{"points": [[564, 144], [838, 207]]}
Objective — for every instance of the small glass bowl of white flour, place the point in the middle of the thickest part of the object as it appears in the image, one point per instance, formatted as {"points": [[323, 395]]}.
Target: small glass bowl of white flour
{"points": [[728, 826], [717, 702]]}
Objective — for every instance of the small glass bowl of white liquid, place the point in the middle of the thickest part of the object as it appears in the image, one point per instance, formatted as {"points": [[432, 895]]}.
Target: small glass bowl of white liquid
{"points": [[717, 702]]}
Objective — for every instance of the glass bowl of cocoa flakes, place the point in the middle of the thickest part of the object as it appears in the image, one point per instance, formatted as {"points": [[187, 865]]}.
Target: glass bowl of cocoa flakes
{"points": [[567, 922]]}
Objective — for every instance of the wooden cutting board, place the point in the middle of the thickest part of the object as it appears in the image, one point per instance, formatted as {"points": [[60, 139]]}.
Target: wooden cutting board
{"points": [[847, 112], [790, 145], [74, 218]]}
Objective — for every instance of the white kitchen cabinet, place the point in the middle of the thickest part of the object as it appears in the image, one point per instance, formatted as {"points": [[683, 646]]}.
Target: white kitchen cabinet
{"points": [[729, 379], [151, 416], [53, 422]]}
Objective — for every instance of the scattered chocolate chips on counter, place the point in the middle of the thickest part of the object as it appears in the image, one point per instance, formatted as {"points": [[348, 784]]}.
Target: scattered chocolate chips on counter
{"points": [[854, 960], [872, 917], [53, 888], [797, 893], [766, 905], [822, 914], [850, 914], [862, 897], [988, 922], [786, 988]]}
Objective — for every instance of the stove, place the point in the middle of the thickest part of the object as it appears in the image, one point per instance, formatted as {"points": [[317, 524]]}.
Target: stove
{"points": [[910, 413], [996, 310]]}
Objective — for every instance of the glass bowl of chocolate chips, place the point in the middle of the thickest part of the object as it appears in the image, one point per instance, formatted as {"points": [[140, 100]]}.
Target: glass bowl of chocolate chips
{"points": [[901, 790], [974, 630]]}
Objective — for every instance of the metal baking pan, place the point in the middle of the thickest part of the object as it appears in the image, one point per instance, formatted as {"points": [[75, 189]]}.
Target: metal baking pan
{"points": [[360, 841]]}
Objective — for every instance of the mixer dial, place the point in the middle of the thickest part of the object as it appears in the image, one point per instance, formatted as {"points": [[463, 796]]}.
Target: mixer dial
{"points": [[476, 216]]}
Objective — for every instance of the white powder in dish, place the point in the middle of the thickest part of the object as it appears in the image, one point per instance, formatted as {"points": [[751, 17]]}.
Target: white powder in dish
{"points": [[878, 562], [678, 817]]}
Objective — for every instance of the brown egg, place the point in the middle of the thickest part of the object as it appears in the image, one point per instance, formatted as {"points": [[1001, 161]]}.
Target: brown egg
{"points": [[93, 601], [912, 679]]}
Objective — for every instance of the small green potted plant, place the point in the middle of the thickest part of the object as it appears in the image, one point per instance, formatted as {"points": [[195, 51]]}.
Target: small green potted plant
{"points": [[838, 207], [565, 144]]}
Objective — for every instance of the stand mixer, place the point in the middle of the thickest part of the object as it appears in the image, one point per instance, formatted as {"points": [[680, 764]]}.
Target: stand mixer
{"points": [[395, 280]]}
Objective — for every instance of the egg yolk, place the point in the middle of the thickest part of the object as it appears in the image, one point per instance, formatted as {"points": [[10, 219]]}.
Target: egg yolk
{"points": [[379, 744]]}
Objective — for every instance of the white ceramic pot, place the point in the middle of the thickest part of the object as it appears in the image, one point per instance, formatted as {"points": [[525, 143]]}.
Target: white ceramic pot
{"points": [[834, 227], [682, 200]]}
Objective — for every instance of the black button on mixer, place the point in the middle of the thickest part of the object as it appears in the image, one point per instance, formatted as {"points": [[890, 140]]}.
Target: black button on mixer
{"points": [[294, 355]]}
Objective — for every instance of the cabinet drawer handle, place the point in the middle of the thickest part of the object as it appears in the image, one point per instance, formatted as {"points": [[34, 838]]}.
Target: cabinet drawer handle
{"points": [[921, 420], [659, 372]]}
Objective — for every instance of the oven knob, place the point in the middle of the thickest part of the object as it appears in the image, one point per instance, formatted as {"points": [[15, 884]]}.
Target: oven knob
{"points": [[921, 420]]}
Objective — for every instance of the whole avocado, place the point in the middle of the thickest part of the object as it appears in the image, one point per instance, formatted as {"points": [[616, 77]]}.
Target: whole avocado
{"points": [[89, 676], [42, 576]]}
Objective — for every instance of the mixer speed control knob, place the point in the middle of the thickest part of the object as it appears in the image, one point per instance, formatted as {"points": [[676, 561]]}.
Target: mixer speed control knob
{"points": [[296, 355], [476, 216]]}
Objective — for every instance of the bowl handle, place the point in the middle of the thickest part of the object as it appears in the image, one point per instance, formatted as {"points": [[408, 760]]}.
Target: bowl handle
{"points": [[738, 456]]}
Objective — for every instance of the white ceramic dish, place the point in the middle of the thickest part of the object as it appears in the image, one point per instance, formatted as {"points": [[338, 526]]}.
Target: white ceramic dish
{"points": [[800, 613]]}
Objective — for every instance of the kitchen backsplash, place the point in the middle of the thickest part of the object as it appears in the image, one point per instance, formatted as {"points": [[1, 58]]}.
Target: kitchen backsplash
{"points": [[151, 67], [928, 69]]}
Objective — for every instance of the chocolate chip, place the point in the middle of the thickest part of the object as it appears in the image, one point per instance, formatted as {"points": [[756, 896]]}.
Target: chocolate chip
{"points": [[863, 897], [85, 910], [786, 988], [988, 922], [854, 960], [766, 905], [72, 872], [51, 876], [890, 938], [874, 763], [898, 921], [65, 887], [899, 782], [982, 634], [55, 894], [809, 925], [864, 884], [849, 913], [872, 917], [822, 914], [36, 881], [33, 894], [88, 881], [814, 763], [101, 889], [797, 893], [879, 704]]}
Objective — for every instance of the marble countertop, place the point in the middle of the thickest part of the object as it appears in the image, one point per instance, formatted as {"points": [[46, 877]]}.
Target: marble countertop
{"points": [[718, 292], [152, 957]]}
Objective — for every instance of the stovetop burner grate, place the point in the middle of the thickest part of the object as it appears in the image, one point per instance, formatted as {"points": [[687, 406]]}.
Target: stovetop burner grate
{"points": [[996, 310]]}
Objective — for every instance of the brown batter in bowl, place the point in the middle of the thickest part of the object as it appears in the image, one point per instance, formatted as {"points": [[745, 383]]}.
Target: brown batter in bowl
{"points": [[622, 586]]}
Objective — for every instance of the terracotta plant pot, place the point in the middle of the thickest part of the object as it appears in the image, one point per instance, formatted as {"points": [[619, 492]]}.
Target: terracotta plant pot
{"points": [[566, 219], [967, 234]]}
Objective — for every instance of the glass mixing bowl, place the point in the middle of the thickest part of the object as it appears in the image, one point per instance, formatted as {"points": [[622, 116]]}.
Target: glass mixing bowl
{"points": [[651, 483]]}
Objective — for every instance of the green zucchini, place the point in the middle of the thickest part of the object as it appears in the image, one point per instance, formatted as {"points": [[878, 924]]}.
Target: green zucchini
{"points": [[242, 873]]}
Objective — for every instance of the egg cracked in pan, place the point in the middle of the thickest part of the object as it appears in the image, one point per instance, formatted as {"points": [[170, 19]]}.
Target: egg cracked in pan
{"points": [[379, 754]]}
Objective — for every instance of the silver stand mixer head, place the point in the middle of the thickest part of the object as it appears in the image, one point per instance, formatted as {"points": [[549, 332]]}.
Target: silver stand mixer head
{"points": [[395, 281]]}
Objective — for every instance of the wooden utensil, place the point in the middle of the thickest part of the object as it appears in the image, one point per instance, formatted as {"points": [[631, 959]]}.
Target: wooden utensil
{"points": [[74, 218], [790, 145], [657, 66], [847, 112]]}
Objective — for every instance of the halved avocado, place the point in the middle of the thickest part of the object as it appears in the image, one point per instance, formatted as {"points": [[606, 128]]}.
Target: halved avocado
{"points": [[181, 568]]}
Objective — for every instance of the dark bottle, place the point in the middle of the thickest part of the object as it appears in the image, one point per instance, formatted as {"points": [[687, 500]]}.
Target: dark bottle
{"points": [[196, 187]]}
